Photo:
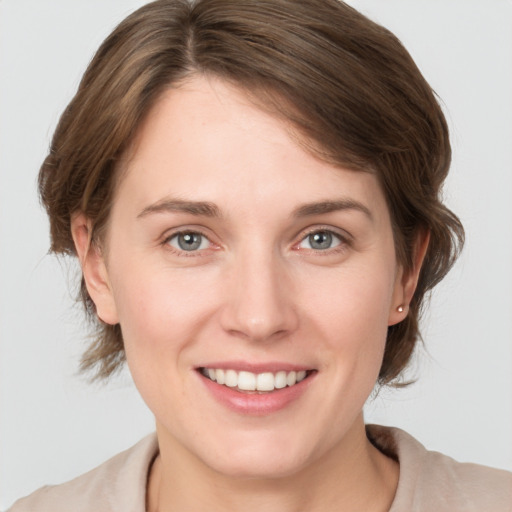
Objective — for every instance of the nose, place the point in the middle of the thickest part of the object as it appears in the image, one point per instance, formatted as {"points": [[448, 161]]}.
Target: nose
{"points": [[258, 302]]}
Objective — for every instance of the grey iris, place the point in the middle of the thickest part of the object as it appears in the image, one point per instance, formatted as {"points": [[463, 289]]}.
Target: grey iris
{"points": [[189, 241], [320, 240]]}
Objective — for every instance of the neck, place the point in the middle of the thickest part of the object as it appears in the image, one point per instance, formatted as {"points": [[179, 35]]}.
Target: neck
{"points": [[352, 476]]}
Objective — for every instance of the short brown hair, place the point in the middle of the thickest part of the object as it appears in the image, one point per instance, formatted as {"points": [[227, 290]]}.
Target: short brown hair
{"points": [[346, 83]]}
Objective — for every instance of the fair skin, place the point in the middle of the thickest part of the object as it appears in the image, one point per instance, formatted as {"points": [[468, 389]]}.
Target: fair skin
{"points": [[229, 247]]}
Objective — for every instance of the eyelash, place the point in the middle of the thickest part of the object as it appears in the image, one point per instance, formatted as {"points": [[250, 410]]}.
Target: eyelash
{"points": [[344, 242], [183, 252]]}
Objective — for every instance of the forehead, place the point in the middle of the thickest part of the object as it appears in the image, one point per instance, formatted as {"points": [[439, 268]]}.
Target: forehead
{"points": [[207, 140]]}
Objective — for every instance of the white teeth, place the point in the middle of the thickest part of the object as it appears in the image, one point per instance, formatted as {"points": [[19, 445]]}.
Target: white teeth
{"points": [[265, 382], [280, 380], [248, 381], [231, 378], [220, 376], [291, 378]]}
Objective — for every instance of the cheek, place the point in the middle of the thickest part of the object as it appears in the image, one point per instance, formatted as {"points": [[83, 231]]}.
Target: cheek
{"points": [[348, 317], [353, 299], [162, 315], [160, 310]]}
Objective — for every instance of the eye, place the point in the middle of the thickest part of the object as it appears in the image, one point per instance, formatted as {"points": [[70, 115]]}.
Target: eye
{"points": [[320, 241], [188, 241]]}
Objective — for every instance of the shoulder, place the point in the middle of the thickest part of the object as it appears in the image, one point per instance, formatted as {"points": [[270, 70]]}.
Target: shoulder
{"points": [[117, 484], [432, 481]]}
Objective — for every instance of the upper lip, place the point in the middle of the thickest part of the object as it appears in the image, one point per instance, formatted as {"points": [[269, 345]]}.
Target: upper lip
{"points": [[271, 366]]}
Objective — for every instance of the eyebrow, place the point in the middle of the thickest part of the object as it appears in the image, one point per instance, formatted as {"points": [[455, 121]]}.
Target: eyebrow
{"points": [[199, 208], [318, 208], [207, 209]]}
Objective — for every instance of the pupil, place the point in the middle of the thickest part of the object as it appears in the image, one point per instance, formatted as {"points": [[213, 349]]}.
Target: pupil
{"points": [[320, 240], [189, 241]]}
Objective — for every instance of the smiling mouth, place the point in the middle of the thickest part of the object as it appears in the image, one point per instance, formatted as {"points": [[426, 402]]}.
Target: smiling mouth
{"points": [[248, 382]]}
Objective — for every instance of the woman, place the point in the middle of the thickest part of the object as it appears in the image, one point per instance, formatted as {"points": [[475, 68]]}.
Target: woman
{"points": [[252, 190]]}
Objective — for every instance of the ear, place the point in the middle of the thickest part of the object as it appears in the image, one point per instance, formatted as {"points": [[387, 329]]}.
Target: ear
{"points": [[406, 281], [94, 269]]}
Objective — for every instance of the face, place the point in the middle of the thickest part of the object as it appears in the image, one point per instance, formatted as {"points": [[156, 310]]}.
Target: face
{"points": [[254, 284]]}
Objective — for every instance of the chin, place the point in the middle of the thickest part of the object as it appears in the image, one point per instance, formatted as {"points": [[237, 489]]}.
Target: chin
{"points": [[258, 456], [258, 467]]}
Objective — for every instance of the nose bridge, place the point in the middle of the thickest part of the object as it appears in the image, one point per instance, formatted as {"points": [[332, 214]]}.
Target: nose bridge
{"points": [[259, 305]]}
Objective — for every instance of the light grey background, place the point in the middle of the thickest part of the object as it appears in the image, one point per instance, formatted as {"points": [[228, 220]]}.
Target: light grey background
{"points": [[53, 425]]}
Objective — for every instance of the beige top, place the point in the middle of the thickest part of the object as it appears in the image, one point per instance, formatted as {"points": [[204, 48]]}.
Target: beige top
{"points": [[429, 481]]}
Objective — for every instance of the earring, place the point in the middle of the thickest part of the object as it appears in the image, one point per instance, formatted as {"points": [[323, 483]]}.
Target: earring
{"points": [[400, 308]]}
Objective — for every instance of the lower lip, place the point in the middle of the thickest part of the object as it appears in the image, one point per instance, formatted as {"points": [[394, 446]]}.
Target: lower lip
{"points": [[253, 403]]}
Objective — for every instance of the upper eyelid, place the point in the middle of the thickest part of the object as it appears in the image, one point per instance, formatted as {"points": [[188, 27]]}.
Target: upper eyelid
{"points": [[340, 240], [340, 233], [169, 235]]}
